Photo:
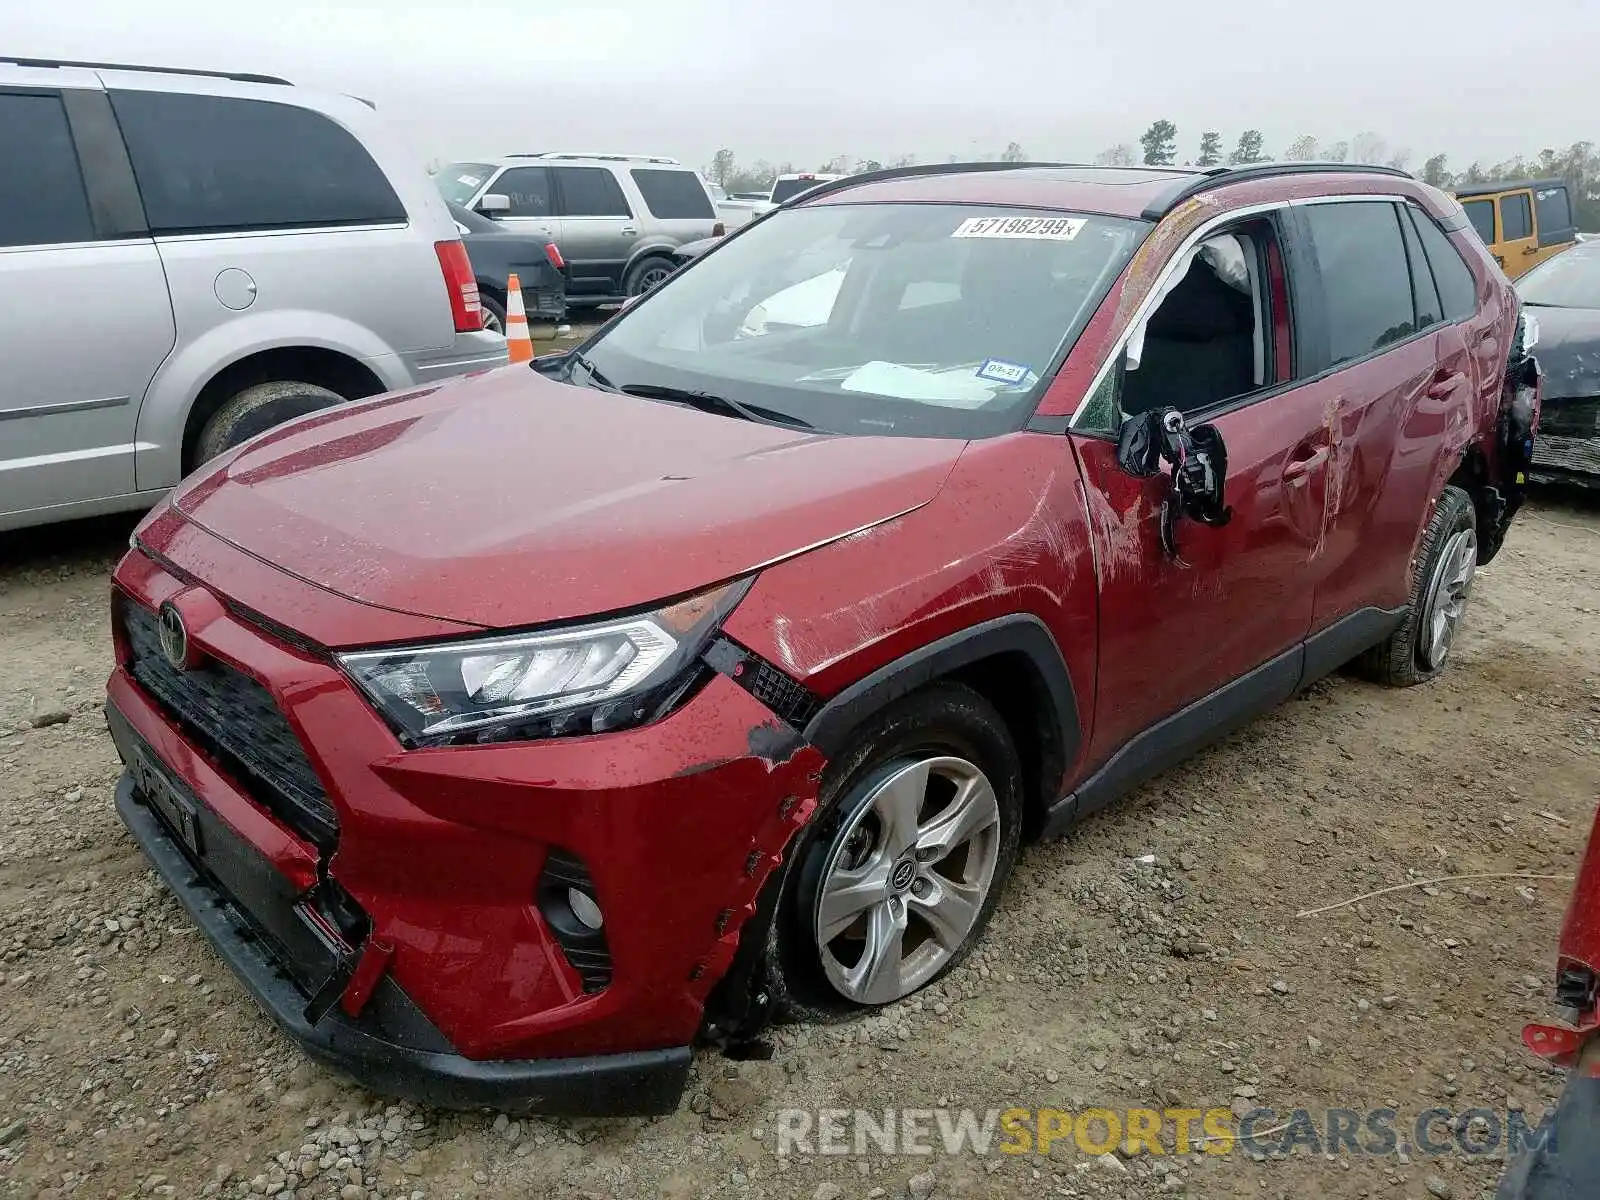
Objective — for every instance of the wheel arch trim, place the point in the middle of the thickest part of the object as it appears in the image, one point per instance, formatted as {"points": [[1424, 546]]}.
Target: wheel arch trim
{"points": [[1018, 633]]}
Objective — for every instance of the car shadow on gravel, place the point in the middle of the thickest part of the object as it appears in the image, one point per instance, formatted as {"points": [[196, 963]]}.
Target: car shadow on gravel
{"points": [[68, 546]]}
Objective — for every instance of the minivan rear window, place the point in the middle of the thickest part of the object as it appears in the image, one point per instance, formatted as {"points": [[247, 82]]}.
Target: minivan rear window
{"points": [[674, 195], [218, 163]]}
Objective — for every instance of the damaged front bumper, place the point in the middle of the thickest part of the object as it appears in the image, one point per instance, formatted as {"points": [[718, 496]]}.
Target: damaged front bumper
{"points": [[414, 948], [1567, 448]]}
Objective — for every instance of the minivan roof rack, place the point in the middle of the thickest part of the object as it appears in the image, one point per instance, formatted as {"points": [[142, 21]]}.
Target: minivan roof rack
{"points": [[603, 157], [1214, 177], [106, 66]]}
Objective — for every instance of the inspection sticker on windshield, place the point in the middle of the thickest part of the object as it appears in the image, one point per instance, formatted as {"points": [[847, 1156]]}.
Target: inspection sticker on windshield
{"points": [[1045, 229], [996, 371]]}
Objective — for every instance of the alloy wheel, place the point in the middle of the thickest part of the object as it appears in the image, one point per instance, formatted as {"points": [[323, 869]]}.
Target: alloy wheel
{"points": [[906, 877], [1447, 597]]}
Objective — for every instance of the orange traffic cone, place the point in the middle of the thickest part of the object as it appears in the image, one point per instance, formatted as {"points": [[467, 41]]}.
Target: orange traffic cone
{"points": [[519, 343]]}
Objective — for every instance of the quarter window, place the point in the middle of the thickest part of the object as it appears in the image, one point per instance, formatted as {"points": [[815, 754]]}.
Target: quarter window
{"points": [[674, 195], [1423, 290], [1458, 290], [42, 200], [1554, 211], [590, 192], [208, 163], [1481, 214], [1516, 217], [1366, 287]]}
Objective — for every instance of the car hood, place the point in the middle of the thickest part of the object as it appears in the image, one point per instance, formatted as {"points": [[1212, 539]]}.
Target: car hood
{"points": [[509, 499], [1568, 351]]}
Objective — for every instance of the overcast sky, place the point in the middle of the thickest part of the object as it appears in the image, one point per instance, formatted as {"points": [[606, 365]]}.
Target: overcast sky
{"points": [[808, 80]]}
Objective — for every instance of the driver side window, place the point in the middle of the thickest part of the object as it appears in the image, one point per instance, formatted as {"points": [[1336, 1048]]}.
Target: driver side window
{"points": [[1210, 339]]}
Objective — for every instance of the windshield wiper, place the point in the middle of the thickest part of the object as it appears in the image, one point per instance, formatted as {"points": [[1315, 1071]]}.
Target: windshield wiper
{"points": [[707, 402], [596, 379]]}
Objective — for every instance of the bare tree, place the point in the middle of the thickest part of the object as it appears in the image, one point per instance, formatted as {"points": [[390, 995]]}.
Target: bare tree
{"points": [[1338, 152], [1367, 148], [1400, 159], [1120, 155], [1014, 153], [1303, 149]]}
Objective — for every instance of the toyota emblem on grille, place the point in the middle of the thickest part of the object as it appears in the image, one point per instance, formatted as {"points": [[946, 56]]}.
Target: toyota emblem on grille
{"points": [[174, 636]]}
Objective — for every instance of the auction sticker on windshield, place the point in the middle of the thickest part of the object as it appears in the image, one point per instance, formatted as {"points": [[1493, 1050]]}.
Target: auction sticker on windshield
{"points": [[1048, 229]]}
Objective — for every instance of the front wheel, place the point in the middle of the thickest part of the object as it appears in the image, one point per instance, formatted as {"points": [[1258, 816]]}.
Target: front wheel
{"points": [[1447, 564], [894, 880]]}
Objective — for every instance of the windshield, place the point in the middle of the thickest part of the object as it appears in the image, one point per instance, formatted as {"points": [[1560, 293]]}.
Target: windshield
{"points": [[922, 320], [459, 182], [1570, 280], [786, 188]]}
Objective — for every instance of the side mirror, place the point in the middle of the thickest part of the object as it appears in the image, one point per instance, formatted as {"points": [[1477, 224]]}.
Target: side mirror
{"points": [[494, 204], [1139, 445]]}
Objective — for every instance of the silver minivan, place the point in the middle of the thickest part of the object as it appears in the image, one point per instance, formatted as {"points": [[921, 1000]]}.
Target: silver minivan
{"points": [[187, 259], [618, 219]]}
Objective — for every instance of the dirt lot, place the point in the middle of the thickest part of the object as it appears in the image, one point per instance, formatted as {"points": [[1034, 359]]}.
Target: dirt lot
{"points": [[132, 1063]]}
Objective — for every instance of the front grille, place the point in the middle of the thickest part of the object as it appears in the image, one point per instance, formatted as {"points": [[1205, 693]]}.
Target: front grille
{"points": [[237, 722]]}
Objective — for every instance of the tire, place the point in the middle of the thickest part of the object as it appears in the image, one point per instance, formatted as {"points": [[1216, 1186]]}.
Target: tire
{"points": [[1448, 558], [494, 313], [647, 274], [257, 409], [943, 733]]}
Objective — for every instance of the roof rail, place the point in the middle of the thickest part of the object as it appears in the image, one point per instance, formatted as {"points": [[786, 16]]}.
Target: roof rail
{"points": [[603, 157], [106, 66], [1215, 177], [913, 172]]}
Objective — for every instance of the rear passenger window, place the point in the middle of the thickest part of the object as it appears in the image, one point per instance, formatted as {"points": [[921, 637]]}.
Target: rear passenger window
{"points": [[42, 201], [1516, 217], [590, 192], [212, 163], [1366, 285], [1458, 290], [1481, 214], [674, 195], [1423, 290], [528, 189]]}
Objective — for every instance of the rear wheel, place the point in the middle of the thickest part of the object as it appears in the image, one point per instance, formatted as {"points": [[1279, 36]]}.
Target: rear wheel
{"points": [[648, 274], [494, 314], [893, 882], [1448, 562], [257, 409]]}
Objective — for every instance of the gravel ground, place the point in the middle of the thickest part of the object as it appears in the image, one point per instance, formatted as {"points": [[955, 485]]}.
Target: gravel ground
{"points": [[131, 1063]]}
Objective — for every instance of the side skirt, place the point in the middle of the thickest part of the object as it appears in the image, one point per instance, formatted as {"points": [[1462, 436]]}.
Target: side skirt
{"points": [[1212, 717]]}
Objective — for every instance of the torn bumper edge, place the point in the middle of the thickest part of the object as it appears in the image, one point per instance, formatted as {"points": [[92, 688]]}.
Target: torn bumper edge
{"points": [[638, 1083]]}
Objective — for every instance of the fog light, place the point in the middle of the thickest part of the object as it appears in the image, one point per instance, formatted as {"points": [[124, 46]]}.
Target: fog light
{"points": [[584, 908]]}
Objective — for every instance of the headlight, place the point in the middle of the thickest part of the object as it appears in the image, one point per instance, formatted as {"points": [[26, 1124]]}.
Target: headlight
{"points": [[581, 679]]}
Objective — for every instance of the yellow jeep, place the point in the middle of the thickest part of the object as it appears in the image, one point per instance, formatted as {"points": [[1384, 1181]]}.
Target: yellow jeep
{"points": [[1522, 222]]}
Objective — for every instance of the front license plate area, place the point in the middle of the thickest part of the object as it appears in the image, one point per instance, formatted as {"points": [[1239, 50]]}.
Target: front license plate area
{"points": [[177, 811]]}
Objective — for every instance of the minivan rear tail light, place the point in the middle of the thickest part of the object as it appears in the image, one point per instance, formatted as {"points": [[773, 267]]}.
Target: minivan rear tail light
{"points": [[461, 285], [553, 253]]}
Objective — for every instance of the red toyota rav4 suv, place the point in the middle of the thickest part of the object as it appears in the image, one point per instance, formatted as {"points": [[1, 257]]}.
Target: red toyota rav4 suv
{"points": [[508, 735]]}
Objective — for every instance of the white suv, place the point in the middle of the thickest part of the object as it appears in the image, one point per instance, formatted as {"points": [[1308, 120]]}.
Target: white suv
{"points": [[187, 259], [618, 219]]}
